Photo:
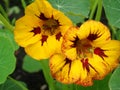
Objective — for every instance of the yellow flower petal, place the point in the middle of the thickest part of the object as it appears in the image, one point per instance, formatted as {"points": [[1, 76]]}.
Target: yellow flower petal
{"points": [[94, 31], [22, 31], [64, 70], [56, 63], [37, 51], [71, 53], [49, 47], [45, 7], [100, 66], [68, 42], [32, 9]]}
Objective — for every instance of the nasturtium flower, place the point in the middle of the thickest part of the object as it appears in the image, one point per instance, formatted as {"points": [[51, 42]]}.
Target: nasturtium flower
{"points": [[41, 29], [88, 54]]}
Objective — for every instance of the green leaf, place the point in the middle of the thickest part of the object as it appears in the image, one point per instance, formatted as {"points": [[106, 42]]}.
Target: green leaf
{"points": [[112, 10], [31, 65], [118, 35], [7, 58], [12, 84], [114, 83], [98, 85], [76, 10]]}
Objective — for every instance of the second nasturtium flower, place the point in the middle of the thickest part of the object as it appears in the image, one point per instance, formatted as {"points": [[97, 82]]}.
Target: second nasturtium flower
{"points": [[88, 54], [41, 29]]}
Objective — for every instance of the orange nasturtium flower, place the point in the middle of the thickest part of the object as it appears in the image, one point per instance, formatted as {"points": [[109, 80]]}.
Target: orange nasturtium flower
{"points": [[89, 54], [39, 31]]}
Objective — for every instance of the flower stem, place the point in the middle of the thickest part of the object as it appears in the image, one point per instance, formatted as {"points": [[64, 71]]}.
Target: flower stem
{"points": [[47, 75], [23, 3], [99, 10], [4, 13], [18, 83], [6, 23], [113, 31], [93, 9]]}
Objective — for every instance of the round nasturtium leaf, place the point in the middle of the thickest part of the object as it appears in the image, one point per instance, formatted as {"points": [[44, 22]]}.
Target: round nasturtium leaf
{"points": [[112, 11], [76, 10], [7, 58], [31, 65], [114, 82]]}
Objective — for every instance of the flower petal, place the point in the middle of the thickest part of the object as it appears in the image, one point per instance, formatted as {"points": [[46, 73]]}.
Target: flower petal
{"points": [[23, 28], [100, 66], [44, 50], [91, 27], [32, 9], [64, 70]]}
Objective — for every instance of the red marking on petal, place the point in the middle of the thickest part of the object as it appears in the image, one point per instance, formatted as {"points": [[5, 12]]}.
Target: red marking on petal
{"points": [[100, 52], [92, 37], [58, 36], [85, 64], [42, 16], [36, 30], [44, 38]]}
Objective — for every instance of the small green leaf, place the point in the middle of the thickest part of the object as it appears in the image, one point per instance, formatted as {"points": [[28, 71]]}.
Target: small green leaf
{"points": [[7, 58], [31, 65], [114, 83], [76, 10], [112, 10], [11, 84]]}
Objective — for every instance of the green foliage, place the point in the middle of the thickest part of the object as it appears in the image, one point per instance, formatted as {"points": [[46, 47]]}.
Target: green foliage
{"points": [[31, 65], [12, 84], [112, 10], [7, 58], [76, 10], [114, 83]]}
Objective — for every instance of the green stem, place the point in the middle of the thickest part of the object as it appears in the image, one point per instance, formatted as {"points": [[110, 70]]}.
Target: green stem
{"points": [[18, 83], [23, 3], [4, 13], [6, 23], [47, 75], [93, 9], [6, 5], [113, 31], [99, 10]]}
